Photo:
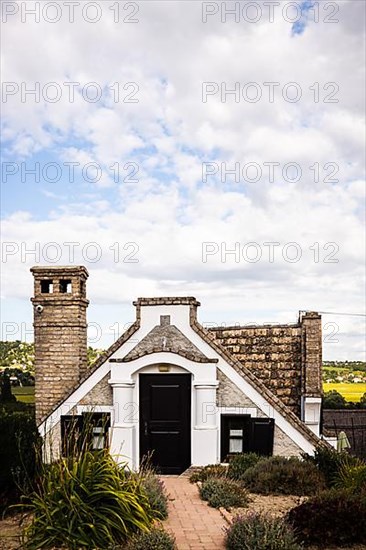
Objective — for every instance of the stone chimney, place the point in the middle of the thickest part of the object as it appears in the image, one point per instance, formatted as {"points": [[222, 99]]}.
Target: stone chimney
{"points": [[60, 333], [311, 352]]}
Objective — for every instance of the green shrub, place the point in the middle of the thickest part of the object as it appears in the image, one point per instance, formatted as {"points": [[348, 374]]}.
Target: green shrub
{"points": [[18, 451], [211, 470], [260, 532], [332, 517], [156, 539], [154, 489], [224, 492], [86, 502], [286, 476], [352, 475], [334, 400], [240, 463], [331, 463]]}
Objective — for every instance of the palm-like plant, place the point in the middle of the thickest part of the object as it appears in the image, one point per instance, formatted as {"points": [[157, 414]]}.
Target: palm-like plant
{"points": [[87, 501]]}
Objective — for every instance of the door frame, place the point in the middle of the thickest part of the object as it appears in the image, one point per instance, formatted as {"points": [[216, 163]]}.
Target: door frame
{"points": [[188, 428]]}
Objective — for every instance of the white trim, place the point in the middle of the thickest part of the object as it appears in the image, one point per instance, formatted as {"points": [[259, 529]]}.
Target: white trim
{"points": [[203, 378], [252, 411], [74, 399], [80, 409]]}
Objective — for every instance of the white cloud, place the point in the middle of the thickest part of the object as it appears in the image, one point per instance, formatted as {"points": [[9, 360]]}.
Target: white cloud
{"points": [[169, 212]]}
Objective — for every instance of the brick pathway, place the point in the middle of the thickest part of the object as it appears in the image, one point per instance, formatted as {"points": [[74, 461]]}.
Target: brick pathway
{"points": [[195, 525]]}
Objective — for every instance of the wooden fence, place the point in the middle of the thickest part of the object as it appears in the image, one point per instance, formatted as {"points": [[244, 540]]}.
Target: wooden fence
{"points": [[352, 422]]}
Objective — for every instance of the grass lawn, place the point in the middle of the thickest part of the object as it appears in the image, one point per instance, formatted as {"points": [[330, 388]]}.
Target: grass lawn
{"points": [[352, 392], [25, 394]]}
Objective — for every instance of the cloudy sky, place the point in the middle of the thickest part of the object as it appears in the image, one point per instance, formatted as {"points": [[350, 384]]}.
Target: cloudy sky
{"points": [[213, 149]]}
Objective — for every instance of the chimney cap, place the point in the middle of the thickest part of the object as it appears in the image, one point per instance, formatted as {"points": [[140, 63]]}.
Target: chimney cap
{"points": [[57, 270]]}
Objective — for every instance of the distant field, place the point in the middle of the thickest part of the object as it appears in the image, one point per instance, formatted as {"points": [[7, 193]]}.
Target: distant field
{"points": [[341, 369], [352, 392], [25, 394]]}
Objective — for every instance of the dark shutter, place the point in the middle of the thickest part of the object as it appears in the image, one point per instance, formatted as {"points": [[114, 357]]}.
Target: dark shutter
{"points": [[71, 427], [262, 436]]}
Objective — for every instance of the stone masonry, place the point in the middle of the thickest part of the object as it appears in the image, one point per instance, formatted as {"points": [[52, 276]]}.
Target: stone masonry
{"points": [[286, 358], [167, 338], [60, 333]]}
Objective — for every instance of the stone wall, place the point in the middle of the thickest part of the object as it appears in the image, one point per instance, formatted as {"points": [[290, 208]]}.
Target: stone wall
{"points": [[229, 395], [283, 445], [272, 353], [101, 394], [52, 444]]}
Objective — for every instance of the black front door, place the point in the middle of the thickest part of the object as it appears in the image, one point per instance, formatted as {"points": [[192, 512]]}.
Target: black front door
{"points": [[165, 421]]}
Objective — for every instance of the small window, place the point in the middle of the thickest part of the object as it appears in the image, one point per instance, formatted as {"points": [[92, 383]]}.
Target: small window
{"points": [[65, 286], [98, 441], [235, 431], [88, 431], [242, 434], [46, 286], [236, 441]]}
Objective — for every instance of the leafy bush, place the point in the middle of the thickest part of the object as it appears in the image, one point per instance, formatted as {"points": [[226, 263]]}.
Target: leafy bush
{"points": [[332, 517], [330, 463], [260, 532], [286, 476], [352, 476], [5, 390], [240, 463], [334, 400], [224, 492], [86, 502], [211, 470], [18, 443], [156, 539], [154, 489]]}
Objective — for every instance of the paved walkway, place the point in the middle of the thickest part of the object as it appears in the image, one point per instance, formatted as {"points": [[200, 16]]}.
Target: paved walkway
{"points": [[195, 525]]}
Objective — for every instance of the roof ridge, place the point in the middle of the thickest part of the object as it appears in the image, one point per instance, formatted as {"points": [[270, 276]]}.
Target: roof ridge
{"points": [[192, 352]]}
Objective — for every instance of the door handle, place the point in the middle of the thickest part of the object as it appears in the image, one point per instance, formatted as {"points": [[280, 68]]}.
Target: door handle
{"points": [[145, 426]]}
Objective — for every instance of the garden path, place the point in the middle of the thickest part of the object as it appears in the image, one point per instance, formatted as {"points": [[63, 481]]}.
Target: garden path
{"points": [[195, 525]]}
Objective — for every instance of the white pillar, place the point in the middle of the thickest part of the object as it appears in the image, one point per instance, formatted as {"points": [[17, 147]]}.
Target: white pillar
{"points": [[205, 429], [125, 420], [205, 405], [311, 413]]}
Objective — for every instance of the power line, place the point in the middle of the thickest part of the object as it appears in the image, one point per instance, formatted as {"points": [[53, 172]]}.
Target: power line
{"points": [[335, 313]]}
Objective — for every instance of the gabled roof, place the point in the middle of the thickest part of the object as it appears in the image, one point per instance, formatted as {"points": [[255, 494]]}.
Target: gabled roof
{"points": [[167, 338], [276, 403]]}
